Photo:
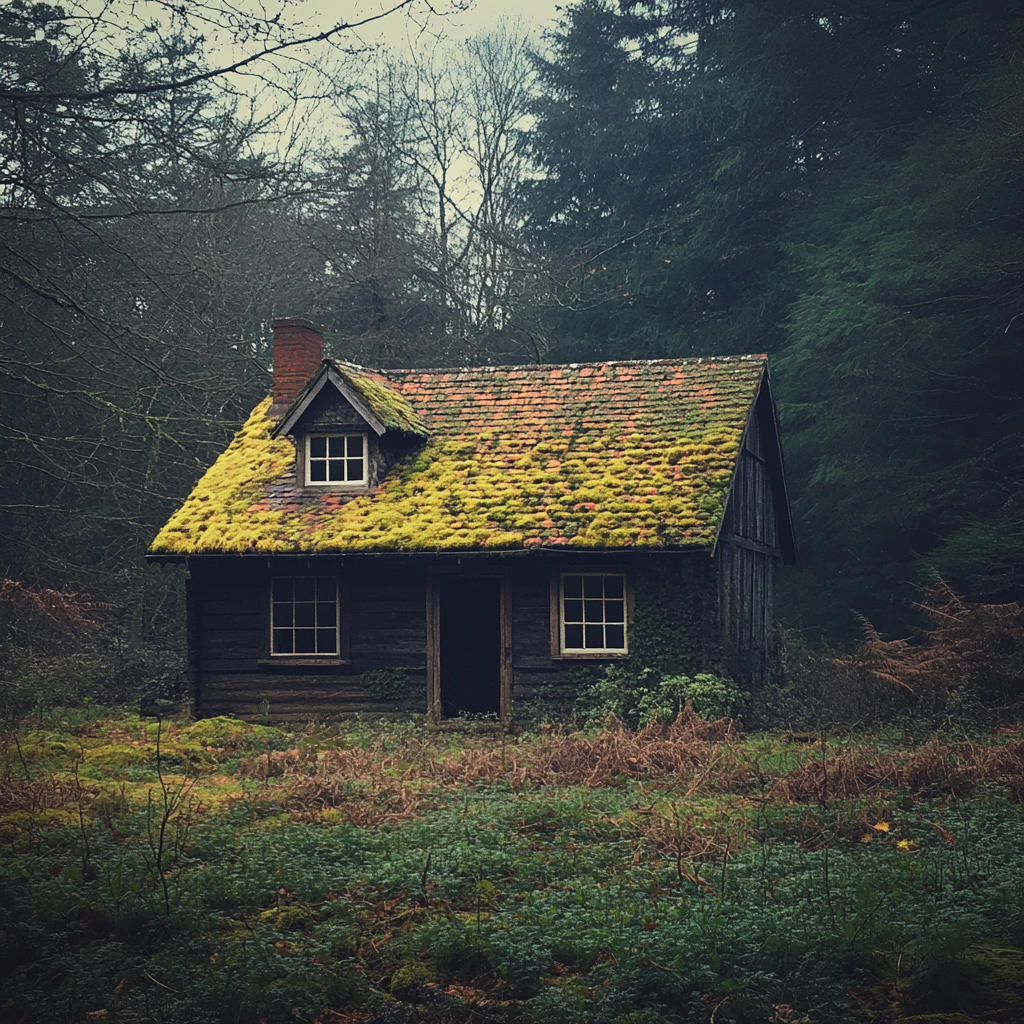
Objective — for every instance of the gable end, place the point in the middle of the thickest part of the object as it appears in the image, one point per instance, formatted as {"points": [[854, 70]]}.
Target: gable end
{"points": [[317, 408]]}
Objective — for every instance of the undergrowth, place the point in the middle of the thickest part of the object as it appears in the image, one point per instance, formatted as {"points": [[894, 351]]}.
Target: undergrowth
{"points": [[224, 872]]}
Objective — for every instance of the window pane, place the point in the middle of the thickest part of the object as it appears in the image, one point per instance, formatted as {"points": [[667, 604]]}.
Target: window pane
{"points": [[592, 586], [337, 447], [615, 637], [304, 615], [317, 471], [614, 611], [613, 586], [355, 469], [573, 611], [318, 447], [574, 637], [593, 611], [572, 586], [355, 446], [594, 636], [337, 469]]}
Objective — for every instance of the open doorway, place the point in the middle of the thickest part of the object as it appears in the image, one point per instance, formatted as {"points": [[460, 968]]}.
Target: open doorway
{"points": [[470, 646]]}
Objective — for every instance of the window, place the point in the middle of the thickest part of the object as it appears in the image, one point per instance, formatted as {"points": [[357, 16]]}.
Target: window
{"points": [[304, 615], [593, 613], [336, 459]]}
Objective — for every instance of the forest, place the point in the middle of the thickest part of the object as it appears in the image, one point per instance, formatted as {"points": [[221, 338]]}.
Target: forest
{"points": [[835, 184], [838, 184]]}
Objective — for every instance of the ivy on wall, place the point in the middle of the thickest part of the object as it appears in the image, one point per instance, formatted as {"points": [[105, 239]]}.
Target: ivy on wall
{"points": [[665, 634]]}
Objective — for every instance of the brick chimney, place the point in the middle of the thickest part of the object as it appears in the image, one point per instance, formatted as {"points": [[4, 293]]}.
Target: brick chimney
{"points": [[298, 349]]}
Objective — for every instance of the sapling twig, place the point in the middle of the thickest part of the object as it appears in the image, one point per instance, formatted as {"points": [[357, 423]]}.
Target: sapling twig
{"points": [[171, 805], [21, 758], [423, 877]]}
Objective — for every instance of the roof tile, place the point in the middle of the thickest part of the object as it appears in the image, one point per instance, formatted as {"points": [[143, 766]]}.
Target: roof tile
{"points": [[583, 455]]}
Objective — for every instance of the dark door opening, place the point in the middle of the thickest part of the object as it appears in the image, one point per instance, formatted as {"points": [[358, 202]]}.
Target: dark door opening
{"points": [[470, 648]]}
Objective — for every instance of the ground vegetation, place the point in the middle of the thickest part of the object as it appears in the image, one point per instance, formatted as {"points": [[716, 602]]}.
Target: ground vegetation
{"points": [[225, 871]]}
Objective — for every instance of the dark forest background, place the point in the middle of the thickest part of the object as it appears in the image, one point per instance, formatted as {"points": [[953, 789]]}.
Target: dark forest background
{"points": [[837, 183]]}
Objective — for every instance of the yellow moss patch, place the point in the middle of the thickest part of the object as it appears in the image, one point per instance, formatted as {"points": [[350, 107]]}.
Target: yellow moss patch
{"points": [[218, 514], [391, 407], [647, 454]]}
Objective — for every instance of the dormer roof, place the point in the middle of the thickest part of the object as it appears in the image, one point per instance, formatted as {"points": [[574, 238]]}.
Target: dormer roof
{"points": [[371, 395], [596, 456]]}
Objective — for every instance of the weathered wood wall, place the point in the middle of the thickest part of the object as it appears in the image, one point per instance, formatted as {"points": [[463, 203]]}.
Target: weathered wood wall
{"points": [[387, 629], [749, 553]]}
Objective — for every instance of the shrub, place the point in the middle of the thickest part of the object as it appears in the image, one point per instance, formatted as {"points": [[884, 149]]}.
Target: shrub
{"points": [[389, 684], [979, 645], [819, 687], [645, 698], [711, 696]]}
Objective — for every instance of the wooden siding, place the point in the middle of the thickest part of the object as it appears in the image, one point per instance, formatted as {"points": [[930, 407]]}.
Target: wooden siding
{"points": [[388, 610], [234, 675], [748, 554]]}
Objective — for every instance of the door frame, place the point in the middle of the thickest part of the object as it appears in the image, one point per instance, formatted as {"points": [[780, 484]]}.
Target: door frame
{"points": [[434, 639]]}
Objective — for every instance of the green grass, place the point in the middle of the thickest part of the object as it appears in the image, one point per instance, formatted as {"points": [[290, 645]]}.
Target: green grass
{"points": [[389, 873]]}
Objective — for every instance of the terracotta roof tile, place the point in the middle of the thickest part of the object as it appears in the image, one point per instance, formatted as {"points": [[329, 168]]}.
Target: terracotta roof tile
{"points": [[586, 455]]}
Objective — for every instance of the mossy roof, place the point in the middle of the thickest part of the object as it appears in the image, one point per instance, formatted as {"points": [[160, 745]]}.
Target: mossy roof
{"points": [[591, 456], [392, 410]]}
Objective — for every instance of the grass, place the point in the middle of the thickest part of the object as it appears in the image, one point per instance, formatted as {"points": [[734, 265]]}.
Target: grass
{"points": [[219, 871]]}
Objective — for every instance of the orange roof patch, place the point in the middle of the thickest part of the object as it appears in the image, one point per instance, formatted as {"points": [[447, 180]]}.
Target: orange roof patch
{"points": [[591, 456]]}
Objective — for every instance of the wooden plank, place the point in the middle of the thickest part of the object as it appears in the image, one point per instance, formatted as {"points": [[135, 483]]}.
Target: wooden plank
{"points": [[386, 616], [225, 620], [217, 600], [398, 635], [283, 694], [529, 664], [211, 660], [376, 654], [433, 616], [406, 639], [554, 615], [235, 638], [505, 700]]}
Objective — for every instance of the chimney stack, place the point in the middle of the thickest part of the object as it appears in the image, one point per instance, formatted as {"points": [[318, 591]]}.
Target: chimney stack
{"points": [[298, 350]]}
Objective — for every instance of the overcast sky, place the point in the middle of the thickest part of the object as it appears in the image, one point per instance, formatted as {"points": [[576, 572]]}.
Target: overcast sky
{"points": [[480, 16]]}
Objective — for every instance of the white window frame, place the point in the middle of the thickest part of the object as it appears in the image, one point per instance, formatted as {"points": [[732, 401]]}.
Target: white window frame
{"points": [[592, 651], [332, 582], [361, 482]]}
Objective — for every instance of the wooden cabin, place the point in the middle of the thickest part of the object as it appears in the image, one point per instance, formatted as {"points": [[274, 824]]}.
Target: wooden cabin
{"points": [[456, 541]]}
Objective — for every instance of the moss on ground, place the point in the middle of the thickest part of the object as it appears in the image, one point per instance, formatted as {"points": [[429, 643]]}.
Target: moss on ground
{"points": [[536, 877]]}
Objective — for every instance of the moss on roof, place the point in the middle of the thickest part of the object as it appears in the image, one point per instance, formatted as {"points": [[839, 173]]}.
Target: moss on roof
{"points": [[387, 403], [587, 456]]}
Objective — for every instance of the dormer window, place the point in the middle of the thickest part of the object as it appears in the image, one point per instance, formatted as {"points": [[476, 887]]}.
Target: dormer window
{"points": [[338, 459]]}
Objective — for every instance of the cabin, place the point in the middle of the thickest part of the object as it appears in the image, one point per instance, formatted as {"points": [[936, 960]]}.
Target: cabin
{"points": [[458, 541]]}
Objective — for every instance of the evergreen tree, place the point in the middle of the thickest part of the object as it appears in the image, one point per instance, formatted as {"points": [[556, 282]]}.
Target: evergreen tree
{"points": [[831, 182], [904, 374]]}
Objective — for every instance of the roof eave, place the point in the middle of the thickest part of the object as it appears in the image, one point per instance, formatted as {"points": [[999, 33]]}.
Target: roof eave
{"points": [[536, 549]]}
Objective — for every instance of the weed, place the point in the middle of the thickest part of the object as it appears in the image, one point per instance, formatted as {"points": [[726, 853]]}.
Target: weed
{"points": [[673, 874]]}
